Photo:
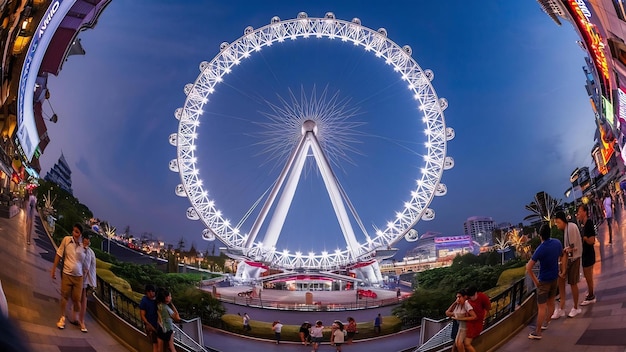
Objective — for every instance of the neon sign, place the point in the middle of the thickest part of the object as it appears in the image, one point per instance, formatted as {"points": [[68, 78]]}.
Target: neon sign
{"points": [[592, 38], [27, 134]]}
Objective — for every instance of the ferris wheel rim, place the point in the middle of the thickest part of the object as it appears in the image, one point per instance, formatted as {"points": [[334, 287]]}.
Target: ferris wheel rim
{"points": [[231, 54]]}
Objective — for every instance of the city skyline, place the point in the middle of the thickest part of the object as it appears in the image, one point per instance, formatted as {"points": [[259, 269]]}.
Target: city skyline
{"points": [[513, 80]]}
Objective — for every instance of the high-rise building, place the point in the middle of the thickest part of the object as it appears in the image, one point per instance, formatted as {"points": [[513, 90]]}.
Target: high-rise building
{"points": [[61, 174], [480, 228]]}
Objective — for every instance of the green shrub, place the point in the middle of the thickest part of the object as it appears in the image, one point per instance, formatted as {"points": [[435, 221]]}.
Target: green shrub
{"points": [[263, 329]]}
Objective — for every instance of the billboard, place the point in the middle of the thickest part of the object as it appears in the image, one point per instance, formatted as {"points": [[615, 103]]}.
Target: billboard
{"points": [[593, 37], [27, 134]]}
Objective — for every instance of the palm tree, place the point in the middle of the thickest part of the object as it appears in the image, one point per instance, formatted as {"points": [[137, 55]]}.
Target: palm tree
{"points": [[501, 246], [543, 207]]}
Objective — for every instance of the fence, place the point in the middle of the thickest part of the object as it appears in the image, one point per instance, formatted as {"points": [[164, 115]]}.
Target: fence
{"points": [[435, 334], [359, 303], [187, 334]]}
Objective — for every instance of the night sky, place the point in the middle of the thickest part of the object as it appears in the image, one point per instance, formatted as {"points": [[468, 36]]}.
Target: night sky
{"points": [[512, 77]]}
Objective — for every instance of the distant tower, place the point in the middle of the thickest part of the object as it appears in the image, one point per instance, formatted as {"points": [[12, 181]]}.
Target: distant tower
{"points": [[61, 174], [480, 228]]}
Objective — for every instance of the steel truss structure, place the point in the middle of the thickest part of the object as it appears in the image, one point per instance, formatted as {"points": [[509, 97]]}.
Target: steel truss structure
{"points": [[375, 41]]}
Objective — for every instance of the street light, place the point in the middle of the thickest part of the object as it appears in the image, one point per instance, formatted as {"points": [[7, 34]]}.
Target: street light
{"points": [[54, 118]]}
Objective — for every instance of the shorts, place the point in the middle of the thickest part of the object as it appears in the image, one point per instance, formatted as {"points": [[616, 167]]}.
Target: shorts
{"points": [[546, 290], [573, 271], [152, 336], [317, 339], [475, 327], [164, 335], [589, 259], [338, 344], [72, 286], [350, 334]]}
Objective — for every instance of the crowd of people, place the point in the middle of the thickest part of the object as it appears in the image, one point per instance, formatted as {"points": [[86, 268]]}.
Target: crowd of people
{"points": [[560, 263], [313, 335]]}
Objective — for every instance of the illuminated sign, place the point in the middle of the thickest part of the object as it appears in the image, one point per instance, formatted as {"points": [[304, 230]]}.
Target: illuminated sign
{"points": [[609, 115], [591, 34], [27, 130], [446, 239], [622, 105]]}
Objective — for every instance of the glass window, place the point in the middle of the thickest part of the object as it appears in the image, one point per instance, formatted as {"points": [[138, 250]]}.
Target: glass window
{"points": [[620, 9]]}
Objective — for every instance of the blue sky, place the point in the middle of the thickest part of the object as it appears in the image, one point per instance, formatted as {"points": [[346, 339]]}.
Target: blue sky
{"points": [[512, 77]]}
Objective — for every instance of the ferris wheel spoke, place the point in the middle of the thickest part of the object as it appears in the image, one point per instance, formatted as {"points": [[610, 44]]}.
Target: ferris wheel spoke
{"points": [[375, 42]]}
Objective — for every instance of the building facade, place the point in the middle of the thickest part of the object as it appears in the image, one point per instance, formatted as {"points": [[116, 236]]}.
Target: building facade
{"points": [[37, 37], [61, 174], [479, 228], [601, 26]]}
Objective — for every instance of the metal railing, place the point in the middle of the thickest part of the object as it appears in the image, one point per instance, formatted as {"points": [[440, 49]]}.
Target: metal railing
{"points": [[502, 305], [358, 303], [187, 334]]}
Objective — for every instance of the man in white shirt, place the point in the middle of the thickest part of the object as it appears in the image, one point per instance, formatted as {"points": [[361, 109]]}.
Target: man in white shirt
{"points": [[72, 252]]}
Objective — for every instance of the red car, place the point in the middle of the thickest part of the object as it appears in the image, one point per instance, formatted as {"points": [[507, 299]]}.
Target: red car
{"points": [[366, 293]]}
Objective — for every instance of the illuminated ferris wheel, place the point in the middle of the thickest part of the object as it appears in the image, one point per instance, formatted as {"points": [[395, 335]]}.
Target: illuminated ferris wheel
{"points": [[247, 243]]}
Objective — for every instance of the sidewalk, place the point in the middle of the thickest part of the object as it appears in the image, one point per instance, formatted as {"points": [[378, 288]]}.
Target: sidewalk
{"points": [[33, 297], [601, 326]]}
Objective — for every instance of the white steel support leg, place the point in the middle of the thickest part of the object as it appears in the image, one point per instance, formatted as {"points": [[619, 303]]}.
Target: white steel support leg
{"points": [[293, 169], [282, 207], [272, 197], [335, 195]]}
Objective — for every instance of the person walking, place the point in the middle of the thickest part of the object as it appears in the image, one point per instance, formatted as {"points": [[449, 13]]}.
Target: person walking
{"points": [[31, 211], [246, 322], [304, 333], [167, 316], [462, 312], [607, 203], [317, 335], [378, 322], [589, 253], [277, 327], [350, 330], [150, 316], [570, 261], [547, 255], [481, 304], [73, 254], [89, 277], [339, 336], [333, 327]]}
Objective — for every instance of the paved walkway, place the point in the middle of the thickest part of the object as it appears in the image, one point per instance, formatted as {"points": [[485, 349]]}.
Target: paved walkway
{"points": [[601, 326], [33, 297]]}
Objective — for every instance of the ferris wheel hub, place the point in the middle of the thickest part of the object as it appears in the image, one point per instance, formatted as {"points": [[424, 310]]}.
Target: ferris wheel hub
{"points": [[309, 126]]}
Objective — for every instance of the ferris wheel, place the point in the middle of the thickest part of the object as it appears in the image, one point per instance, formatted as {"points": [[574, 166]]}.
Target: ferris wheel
{"points": [[244, 242]]}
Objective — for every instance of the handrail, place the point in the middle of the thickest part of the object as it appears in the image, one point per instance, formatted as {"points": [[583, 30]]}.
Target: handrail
{"points": [[358, 304], [502, 305], [128, 310]]}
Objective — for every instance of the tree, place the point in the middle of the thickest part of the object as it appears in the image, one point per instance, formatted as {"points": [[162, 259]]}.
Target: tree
{"points": [[543, 207], [181, 244]]}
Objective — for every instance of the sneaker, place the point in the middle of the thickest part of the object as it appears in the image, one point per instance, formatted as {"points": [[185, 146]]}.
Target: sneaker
{"points": [[533, 336], [588, 300], [83, 328], [61, 323], [558, 312], [544, 326], [574, 312]]}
